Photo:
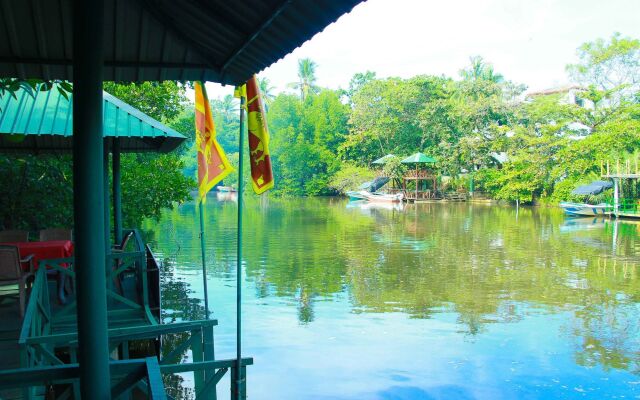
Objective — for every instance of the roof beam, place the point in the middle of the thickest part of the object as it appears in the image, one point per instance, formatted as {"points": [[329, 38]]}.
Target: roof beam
{"points": [[253, 36], [169, 25], [69, 62]]}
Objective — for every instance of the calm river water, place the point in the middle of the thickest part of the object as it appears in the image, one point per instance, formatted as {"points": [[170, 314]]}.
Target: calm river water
{"points": [[428, 301]]}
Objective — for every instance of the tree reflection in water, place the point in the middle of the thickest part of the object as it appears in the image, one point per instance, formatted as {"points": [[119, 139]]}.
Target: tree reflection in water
{"points": [[478, 262]]}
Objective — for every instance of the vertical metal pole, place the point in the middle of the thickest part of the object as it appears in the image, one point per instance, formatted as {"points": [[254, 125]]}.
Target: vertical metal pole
{"points": [[616, 197], [204, 264], [239, 377], [88, 204], [117, 192], [107, 205]]}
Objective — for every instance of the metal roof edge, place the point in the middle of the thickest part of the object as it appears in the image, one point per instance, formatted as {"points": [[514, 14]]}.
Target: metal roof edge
{"points": [[129, 109]]}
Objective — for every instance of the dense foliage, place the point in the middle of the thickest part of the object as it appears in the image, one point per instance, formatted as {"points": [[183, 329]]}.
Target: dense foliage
{"points": [[514, 145]]}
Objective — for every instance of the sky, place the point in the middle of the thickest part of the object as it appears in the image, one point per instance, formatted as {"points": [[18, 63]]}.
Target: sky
{"points": [[527, 41]]}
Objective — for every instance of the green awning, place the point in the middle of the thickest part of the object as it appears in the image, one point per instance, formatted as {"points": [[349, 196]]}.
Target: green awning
{"points": [[43, 123], [419, 158], [383, 160]]}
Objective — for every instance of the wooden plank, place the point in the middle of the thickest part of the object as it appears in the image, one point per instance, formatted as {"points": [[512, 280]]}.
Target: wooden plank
{"points": [[212, 381], [156, 387], [128, 381], [203, 365], [128, 333]]}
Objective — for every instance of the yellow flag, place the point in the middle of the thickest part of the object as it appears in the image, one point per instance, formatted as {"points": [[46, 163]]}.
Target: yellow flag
{"points": [[261, 172], [213, 165]]}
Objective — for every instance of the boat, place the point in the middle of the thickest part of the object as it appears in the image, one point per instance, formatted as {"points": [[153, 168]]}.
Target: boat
{"points": [[226, 189], [382, 197], [584, 209], [355, 195]]}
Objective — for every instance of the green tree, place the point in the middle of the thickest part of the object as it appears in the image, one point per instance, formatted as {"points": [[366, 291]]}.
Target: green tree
{"points": [[480, 70], [266, 90], [608, 64], [163, 101], [306, 83]]}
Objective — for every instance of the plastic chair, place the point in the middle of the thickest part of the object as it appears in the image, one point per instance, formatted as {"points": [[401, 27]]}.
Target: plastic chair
{"points": [[11, 272], [9, 236], [55, 234]]}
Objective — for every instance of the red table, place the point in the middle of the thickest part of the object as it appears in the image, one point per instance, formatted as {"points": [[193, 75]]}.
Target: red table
{"points": [[46, 250]]}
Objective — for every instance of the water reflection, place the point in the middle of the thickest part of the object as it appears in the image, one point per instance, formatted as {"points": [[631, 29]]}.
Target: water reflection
{"points": [[497, 304]]}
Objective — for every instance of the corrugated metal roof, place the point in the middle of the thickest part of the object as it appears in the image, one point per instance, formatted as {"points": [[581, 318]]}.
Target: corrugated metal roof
{"points": [[147, 40], [383, 160], [418, 158], [44, 123]]}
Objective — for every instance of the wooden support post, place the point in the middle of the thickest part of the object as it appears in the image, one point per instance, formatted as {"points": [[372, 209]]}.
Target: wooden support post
{"points": [[107, 208], [616, 197], [197, 355], [209, 355], [117, 192], [88, 207], [239, 391]]}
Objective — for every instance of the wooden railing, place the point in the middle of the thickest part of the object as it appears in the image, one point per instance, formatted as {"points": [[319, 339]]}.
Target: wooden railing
{"points": [[144, 375], [422, 174], [48, 357]]}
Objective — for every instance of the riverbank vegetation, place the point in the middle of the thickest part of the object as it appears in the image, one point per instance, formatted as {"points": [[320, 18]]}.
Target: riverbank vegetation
{"points": [[514, 144]]}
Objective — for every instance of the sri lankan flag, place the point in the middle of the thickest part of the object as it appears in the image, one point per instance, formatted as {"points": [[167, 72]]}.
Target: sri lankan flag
{"points": [[213, 165], [261, 174]]}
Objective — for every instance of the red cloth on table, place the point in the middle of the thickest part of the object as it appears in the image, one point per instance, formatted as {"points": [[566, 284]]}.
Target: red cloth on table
{"points": [[43, 250]]}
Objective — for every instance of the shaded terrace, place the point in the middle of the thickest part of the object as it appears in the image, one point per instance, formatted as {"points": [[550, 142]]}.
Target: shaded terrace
{"points": [[121, 40]]}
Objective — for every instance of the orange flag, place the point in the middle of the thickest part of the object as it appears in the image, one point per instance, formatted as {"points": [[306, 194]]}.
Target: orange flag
{"points": [[261, 173], [213, 165]]}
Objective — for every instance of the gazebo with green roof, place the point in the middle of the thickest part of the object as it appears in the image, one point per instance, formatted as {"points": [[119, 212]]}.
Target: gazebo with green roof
{"points": [[422, 178], [383, 160]]}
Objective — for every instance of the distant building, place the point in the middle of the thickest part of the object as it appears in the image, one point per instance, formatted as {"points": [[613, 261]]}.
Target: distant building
{"points": [[568, 94]]}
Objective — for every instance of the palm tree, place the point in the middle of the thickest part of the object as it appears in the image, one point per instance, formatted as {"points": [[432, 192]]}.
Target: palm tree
{"points": [[306, 78], [481, 70], [266, 90], [228, 107]]}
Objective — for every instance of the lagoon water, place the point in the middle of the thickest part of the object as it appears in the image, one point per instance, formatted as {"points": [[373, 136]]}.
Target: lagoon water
{"points": [[427, 301]]}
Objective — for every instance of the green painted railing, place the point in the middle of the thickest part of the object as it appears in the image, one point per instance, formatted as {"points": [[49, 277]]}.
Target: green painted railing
{"points": [[49, 342], [144, 375], [625, 205]]}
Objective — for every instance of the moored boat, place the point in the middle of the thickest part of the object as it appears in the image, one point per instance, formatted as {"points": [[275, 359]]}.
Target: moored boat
{"points": [[381, 197], [586, 209], [226, 189], [587, 191], [355, 195]]}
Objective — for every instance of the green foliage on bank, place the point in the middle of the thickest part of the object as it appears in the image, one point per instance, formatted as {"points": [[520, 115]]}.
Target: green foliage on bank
{"points": [[515, 145]]}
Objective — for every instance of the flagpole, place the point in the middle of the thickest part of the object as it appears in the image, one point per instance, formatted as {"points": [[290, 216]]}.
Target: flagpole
{"points": [[204, 264], [239, 375]]}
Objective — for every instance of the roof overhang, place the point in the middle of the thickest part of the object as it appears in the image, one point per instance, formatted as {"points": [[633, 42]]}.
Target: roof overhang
{"points": [[153, 40], [43, 123]]}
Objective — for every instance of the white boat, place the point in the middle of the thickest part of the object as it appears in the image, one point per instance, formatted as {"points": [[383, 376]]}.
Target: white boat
{"points": [[383, 198], [586, 209], [226, 189], [355, 196]]}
